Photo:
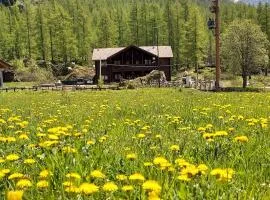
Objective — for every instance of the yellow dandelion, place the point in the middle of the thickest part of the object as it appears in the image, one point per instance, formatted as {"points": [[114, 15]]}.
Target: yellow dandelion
{"points": [[15, 195], [29, 161], [97, 174], [73, 175], [42, 184], [15, 176], [121, 177], [127, 188], [151, 185], [44, 173], [174, 148], [24, 183], [131, 156], [88, 188], [12, 157], [110, 187], [72, 189], [137, 176], [241, 139]]}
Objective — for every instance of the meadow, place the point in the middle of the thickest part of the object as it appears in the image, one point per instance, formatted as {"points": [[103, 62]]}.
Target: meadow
{"points": [[136, 144]]}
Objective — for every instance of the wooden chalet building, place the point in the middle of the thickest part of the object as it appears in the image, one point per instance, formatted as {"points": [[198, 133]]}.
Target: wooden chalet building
{"points": [[131, 62]]}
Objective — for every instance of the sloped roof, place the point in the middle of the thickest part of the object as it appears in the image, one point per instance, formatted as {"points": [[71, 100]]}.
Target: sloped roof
{"points": [[104, 53], [5, 66]]}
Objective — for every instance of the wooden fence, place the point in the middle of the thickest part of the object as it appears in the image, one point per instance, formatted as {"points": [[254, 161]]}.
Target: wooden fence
{"points": [[200, 85]]}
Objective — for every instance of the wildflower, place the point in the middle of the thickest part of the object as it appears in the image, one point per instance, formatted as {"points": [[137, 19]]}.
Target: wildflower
{"points": [[44, 173], [223, 174], [202, 168], [241, 139], [184, 177], [72, 189], [73, 175], [151, 185], [2, 160], [174, 148], [5, 171], [160, 160], [97, 174], [15, 175], [158, 136], [121, 177], [12, 157], [29, 161], [131, 156], [15, 195], [141, 135], [24, 183], [69, 150], [67, 183], [90, 142], [136, 176], [153, 195], [127, 188], [190, 171], [42, 184], [24, 137], [88, 188], [221, 133], [110, 187]]}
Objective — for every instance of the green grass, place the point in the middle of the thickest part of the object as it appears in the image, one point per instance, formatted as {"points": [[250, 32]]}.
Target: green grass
{"points": [[113, 120]]}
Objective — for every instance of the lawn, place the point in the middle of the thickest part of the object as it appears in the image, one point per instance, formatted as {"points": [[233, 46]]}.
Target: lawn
{"points": [[134, 144]]}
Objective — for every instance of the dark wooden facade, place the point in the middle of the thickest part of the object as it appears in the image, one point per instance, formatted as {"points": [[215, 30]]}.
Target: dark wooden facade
{"points": [[130, 63], [7, 71]]}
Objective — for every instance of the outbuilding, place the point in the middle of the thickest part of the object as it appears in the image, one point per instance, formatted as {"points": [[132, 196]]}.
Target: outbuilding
{"points": [[7, 73]]}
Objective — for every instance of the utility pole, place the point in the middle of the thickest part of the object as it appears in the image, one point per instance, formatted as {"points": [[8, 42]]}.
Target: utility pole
{"points": [[217, 35], [215, 24]]}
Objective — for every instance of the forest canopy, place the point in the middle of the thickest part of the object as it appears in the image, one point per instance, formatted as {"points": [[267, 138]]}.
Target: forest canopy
{"points": [[64, 31]]}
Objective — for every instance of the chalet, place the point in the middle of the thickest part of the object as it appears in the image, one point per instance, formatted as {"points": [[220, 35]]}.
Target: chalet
{"points": [[131, 62], [6, 72]]}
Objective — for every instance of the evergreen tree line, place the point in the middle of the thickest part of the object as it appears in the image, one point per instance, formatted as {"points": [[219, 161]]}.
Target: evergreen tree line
{"points": [[63, 31]]}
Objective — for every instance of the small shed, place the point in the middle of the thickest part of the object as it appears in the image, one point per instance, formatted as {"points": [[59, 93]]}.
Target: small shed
{"points": [[7, 73]]}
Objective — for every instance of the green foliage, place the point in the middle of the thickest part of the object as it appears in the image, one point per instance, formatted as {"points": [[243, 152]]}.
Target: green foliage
{"points": [[64, 31], [244, 48]]}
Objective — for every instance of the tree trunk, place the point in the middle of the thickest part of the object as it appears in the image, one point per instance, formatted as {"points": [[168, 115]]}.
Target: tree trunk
{"points": [[244, 76]]}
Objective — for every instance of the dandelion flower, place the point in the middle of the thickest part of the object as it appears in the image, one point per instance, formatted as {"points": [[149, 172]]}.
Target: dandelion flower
{"points": [[151, 185], [15, 195], [42, 184], [110, 187], [15, 175], [241, 139], [72, 189], [174, 148], [137, 177], [88, 188], [127, 188], [97, 174], [121, 177], [73, 175], [131, 156], [24, 183], [29, 161], [12, 157], [45, 173]]}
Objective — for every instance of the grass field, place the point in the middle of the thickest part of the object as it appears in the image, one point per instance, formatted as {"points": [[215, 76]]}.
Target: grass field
{"points": [[137, 144]]}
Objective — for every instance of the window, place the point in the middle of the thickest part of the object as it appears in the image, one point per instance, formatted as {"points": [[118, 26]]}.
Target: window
{"points": [[117, 62]]}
